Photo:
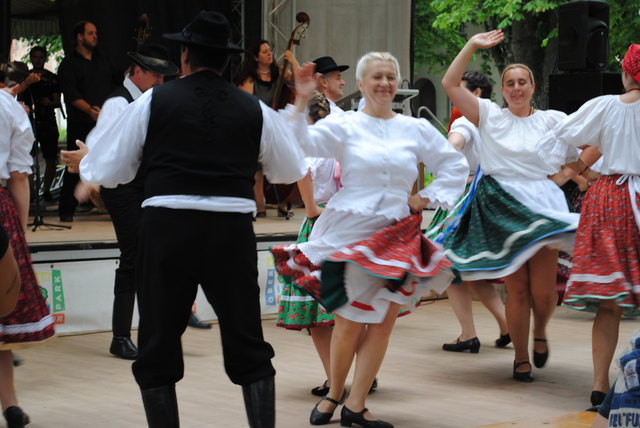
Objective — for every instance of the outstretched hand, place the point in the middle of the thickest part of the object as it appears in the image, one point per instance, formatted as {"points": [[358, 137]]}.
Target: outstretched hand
{"points": [[72, 158], [306, 80], [487, 40]]}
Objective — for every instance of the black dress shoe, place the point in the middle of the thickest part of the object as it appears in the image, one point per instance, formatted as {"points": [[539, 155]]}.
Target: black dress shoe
{"points": [[123, 347], [473, 345], [522, 376], [540, 358], [321, 391], [597, 397], [503, 340], [195, 322], [66, 218], [321, 418], [348, 418], [15, 417]]}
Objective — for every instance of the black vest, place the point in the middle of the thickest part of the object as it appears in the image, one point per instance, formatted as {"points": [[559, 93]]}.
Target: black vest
{"points": [[121, 92], [203, 138]]}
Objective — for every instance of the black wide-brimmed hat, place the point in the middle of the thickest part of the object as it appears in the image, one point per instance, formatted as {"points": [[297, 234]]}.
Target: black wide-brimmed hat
{"points": [[325, 64], [154, 57], [209, 30]]}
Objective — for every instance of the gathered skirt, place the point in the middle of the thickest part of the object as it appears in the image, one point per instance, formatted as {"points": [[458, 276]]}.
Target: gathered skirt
{"points": [[498, 233], [360, 279], [606, 260], [297, 309], [30, 323]]}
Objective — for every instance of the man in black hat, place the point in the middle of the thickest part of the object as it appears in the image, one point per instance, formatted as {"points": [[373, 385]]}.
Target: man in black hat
{"points": [[150, 64], [198, 140], [330, 83]]}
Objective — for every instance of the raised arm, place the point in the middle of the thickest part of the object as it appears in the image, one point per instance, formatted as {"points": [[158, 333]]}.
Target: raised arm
{"points": [[464, 100]]}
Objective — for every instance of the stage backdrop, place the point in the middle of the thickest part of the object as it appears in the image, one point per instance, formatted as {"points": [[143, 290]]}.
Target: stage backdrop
{"points": [[79, 294]]}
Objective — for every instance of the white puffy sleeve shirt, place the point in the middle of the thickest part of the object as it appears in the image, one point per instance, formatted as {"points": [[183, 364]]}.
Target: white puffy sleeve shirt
{"points": [[611, 125], [471, 135], [511, 145], [379, 160], [16, 137]]}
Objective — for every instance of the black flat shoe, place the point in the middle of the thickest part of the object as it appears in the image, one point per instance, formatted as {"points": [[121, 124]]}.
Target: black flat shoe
{"points": [[348, 418], [123, 347], [597, 397], [473, 345], [15, 417], [196, 322], [319, 418], [374, 386], [540, 358], [503, 340], [321, 391], [522, 376]]}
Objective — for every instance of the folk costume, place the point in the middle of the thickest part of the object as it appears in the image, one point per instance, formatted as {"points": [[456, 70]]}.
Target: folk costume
{"points": [[297, 309], [377, 252], [30, 323], [197, 218], [606, 260], [516, 209]]}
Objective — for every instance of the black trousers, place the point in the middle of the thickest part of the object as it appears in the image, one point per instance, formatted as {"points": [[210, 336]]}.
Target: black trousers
{"points": [[124, 206], [68, 203], [178, 250]]}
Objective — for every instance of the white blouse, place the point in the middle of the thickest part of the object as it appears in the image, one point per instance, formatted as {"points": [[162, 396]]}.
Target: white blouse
{"points": [[611, 125], [471, 135], [510, 144], [379, 160], [16, 137]]}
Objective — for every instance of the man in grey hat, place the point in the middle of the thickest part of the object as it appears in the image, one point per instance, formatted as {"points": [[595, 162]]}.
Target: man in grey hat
{"points": [[197, 141], [150, 64]]}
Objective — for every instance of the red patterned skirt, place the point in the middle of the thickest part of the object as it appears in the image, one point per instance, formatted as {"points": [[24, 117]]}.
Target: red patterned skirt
{"points": [[30, 323], [606, 260], [396, 264]]}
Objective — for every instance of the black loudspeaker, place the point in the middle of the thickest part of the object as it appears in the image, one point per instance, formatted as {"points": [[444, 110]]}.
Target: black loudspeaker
{"points": [[583, 35], [568, 91]]}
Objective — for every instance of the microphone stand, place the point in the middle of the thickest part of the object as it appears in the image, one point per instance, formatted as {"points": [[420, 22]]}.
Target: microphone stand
{"points": [[37, 217]]}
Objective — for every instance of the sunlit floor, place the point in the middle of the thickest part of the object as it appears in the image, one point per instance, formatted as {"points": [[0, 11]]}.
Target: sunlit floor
{"points": [[74, 382]]}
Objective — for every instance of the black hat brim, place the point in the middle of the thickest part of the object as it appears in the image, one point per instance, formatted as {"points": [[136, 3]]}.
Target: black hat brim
{"points": [[195, 40], [339, 68], [156, 65]]}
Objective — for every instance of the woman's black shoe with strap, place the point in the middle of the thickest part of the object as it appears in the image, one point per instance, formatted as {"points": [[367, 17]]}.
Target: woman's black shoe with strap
{"points": [[473, 345], [321, 391], [322, 418], [540, 358], [348, 418], [522, 376], [503, 340]]}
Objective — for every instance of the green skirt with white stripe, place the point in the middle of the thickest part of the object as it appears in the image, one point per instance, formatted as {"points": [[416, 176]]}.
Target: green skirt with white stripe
{"points": [[497, 234], [297, 310]]}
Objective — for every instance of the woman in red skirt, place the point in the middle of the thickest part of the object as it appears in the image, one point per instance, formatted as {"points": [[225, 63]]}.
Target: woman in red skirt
{"points": [[605, 276], [30, 322]]}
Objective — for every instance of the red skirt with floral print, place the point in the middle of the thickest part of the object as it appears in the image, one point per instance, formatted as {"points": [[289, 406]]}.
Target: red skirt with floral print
{"points": [[30, 322], [606, 260]]}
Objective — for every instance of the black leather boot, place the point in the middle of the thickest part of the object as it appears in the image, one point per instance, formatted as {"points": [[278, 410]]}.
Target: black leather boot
{"points": [[161, 407], [260, 402]]}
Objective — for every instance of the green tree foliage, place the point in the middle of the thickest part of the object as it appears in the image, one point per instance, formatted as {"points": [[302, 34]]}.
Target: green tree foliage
{"points": [[53, 44], [443, 26]]}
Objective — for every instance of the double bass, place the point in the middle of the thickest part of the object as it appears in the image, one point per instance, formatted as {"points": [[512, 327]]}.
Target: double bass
{"points": [[283, 94]]}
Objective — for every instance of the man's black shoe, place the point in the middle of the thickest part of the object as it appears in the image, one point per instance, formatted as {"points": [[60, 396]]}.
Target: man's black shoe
{"points": [[195, 322], [123, 347], [66, 218]]}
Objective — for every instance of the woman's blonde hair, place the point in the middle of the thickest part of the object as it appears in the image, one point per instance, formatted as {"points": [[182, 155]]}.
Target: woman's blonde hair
{"points": [[512, 66], [363, 63]]}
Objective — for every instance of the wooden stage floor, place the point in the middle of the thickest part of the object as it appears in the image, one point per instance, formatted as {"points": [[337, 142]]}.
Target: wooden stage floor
{"points": [[74, 383]]}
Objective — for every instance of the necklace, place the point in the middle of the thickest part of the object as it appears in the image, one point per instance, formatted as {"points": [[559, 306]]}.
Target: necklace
{"points": [[632, 89], [264, 72]]}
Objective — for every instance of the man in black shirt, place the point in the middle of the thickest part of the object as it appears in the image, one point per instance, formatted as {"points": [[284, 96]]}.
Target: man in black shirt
{"points": [[86, 79], [44, 97]]}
